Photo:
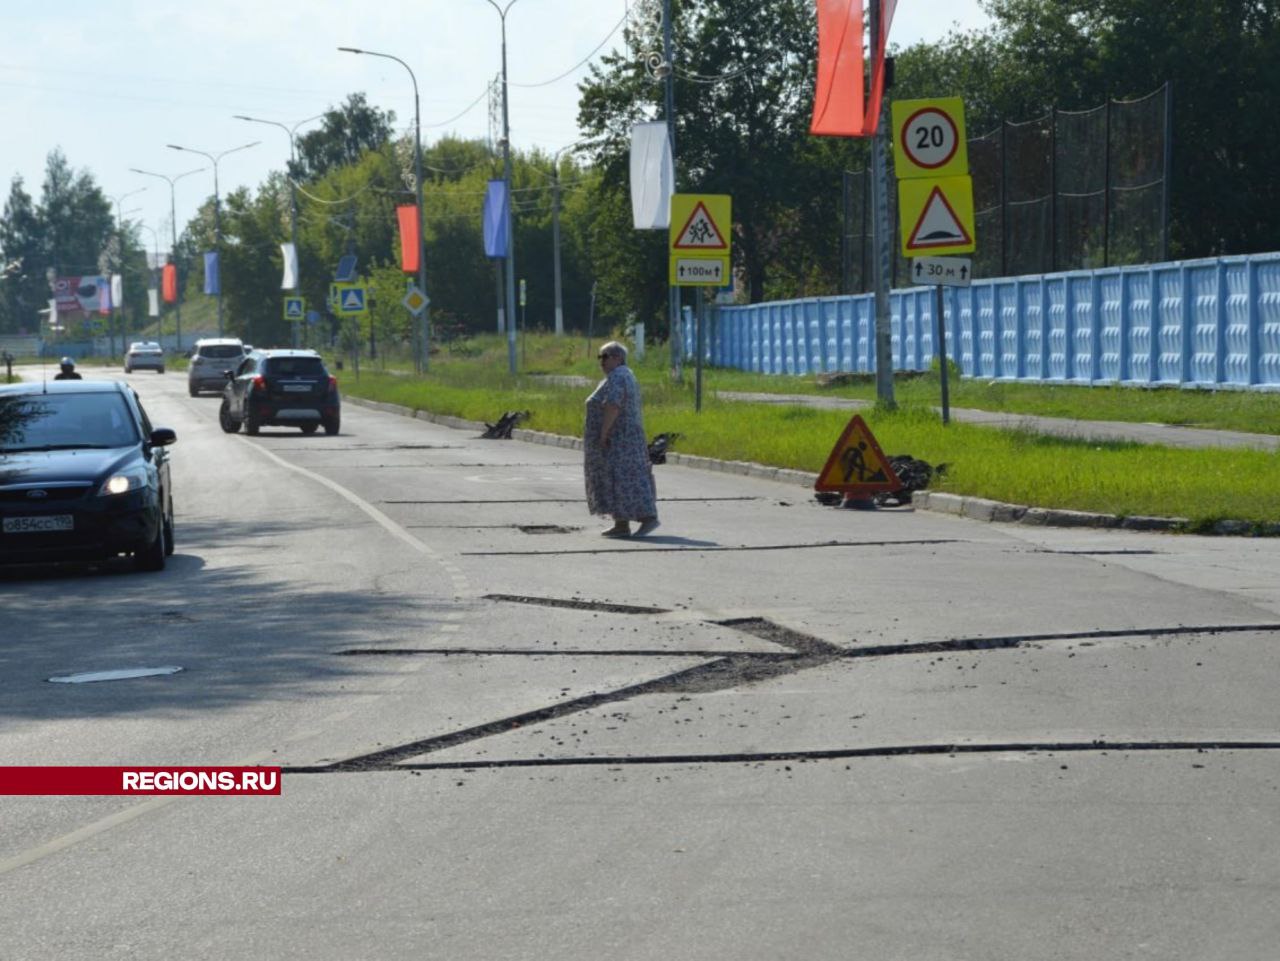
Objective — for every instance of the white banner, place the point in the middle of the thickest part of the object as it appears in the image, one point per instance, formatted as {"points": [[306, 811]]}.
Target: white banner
{"points": [[289, 254], [117, 291], [652, 176], [153, 302]]}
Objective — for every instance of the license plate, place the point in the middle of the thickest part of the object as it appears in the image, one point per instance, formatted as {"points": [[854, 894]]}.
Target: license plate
{"points": [[297, 388], [35, 525]]}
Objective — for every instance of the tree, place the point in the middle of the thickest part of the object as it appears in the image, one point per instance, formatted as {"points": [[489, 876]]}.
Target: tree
{"points": [[346, 133], [24, 289]]}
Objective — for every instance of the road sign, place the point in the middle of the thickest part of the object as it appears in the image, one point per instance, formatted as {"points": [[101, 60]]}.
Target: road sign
{"points": [[942, 271], [313, 317], [294, 308], [415, 301], [352, 301], [929, 138], [936, 216], [857, 465], [700, 240]]}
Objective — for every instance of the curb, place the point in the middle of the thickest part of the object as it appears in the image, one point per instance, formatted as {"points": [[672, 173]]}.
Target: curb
{"points": [[973, 508]]}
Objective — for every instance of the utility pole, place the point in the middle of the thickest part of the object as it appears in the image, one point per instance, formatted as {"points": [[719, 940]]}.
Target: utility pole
{"points": [[173, 253], [882, 234], [669, 79]]}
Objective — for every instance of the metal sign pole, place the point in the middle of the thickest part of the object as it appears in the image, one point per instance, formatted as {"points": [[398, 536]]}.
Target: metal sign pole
{"points": [[942, 355], [698, 325]]}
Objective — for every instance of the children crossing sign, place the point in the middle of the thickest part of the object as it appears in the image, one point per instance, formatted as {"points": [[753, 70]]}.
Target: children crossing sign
{"points": [[700, 240]]}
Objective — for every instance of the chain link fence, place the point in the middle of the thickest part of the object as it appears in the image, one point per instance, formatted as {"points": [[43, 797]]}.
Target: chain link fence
{"points": [[1072, 190]]}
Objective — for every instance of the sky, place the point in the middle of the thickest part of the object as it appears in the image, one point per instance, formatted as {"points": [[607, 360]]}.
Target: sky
{"points": [[112, 82]]}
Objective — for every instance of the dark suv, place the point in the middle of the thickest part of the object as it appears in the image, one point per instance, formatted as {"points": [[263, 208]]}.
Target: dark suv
{"points": [[289, 388]]}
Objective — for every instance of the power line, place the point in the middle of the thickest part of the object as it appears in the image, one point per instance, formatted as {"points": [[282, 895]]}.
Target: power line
{"points": [[547, 83]]}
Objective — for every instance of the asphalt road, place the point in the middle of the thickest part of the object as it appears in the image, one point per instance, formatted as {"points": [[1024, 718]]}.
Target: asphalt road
{"points": [[771, 730]]}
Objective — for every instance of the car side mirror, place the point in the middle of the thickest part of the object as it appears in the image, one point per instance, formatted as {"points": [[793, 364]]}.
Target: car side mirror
{"points": [[229, 374], [163, 437]]}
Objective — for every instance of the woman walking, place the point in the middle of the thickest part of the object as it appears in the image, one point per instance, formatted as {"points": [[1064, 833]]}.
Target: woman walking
{"points": [[616, 455]]}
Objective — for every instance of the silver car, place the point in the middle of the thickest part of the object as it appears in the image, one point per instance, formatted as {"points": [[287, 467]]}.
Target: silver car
{"points": [[211, 357], [144, 355]]}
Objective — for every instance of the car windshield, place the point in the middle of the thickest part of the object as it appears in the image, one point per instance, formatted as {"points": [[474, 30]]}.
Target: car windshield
{"points": [[295, 366], [220, 351], [65, 422]]}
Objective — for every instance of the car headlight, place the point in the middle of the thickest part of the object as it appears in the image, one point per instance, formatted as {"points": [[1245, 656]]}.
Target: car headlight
{"points": [[124, 483]]}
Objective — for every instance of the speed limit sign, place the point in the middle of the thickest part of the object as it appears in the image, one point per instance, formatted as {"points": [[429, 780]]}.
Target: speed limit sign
{"points": [[929, 138]]}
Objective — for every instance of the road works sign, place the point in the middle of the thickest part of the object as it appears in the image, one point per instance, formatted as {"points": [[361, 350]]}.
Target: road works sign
{"points": [[295, 308], [936, 216], [857, 465], [701, 239], [929, 138]]}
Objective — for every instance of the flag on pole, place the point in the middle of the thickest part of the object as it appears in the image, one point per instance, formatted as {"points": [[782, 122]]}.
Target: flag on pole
{"points": [[410, 238], [495, 220], [211, 279], [652, 176], [841, 105], [169, 282], [289, 260], [153, 302]]}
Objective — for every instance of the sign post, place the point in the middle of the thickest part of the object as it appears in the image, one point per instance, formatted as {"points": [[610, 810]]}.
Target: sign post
{"points": [[935, 204], [700, 254]]}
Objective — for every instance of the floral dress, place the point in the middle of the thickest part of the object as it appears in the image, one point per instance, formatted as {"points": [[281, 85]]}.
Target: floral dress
{"points": [[619, 478]]}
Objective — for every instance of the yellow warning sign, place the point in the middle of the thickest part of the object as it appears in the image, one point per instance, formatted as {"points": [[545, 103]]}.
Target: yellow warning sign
{"points": [[929, 138], [857, 465], [936, 216], [700, 239]]}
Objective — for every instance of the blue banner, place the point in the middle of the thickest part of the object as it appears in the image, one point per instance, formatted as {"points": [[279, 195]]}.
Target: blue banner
{"points": [[495, 221], [211, 281]]}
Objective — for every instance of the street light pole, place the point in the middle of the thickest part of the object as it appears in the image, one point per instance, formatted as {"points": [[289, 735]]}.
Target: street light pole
{"points": [[111, 333], [173, 252], [217, 212], [425, 353], [506, 176], [675, 334], [293, 198], [555, 231]]}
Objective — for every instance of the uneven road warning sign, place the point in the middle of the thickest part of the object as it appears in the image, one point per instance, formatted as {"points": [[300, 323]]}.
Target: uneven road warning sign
{"points": [[936, 216], [857, 465]]}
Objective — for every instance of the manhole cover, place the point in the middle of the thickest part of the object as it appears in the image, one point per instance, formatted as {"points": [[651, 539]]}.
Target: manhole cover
{"points": [[120, 675]]}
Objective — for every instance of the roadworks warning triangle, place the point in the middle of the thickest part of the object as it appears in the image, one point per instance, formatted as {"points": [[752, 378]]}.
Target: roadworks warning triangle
{"points": [[938, 225], [857, 465], [700, 232]]}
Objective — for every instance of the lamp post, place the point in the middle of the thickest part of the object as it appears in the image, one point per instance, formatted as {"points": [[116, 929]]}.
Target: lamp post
{"points": [[293, 195], [217, 213], [555, 230], [111, 334], [506, 176], [423, 359], [173, 252]]}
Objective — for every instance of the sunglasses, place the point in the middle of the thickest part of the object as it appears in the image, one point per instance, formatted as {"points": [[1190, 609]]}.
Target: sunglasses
{"points": [[603, 356]]}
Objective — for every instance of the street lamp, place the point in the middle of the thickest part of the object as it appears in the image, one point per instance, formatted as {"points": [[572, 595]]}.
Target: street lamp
{"points": [[217, 213], [293, 194], [506, 176], [173, 252], [111, 335], [424, 360], [555, 230]]}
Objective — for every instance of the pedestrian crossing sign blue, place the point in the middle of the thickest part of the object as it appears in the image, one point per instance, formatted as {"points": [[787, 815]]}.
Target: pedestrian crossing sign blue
{"points": [[351, 300], [295, 308]]}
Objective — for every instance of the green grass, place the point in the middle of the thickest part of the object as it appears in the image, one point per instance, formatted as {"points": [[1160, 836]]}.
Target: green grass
{"points": [[472, 381]]}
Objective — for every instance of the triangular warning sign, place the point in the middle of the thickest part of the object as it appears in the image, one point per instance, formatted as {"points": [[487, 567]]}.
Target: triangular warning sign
{"points": [[700, 232], [857, 465], [938, 225]]}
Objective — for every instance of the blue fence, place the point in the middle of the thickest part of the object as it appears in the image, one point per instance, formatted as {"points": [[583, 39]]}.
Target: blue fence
{"points": [[1202, 323]]}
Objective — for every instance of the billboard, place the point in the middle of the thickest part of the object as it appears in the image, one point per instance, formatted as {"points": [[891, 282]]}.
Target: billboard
{"points": [[82, 294]]}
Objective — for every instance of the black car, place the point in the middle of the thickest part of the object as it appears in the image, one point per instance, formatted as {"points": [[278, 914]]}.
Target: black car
{"points": [[83, 475], [289, 388]]}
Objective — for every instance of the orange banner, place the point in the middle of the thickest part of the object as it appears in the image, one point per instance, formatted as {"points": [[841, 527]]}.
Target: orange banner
{"points": [[169, 283], [841, 105], [410, 238]]}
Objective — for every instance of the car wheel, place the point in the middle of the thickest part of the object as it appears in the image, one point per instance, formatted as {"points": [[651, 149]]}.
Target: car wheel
{"points": [[170, 541], [159, 370], [151, 557], [331, 426], [229, 423], [128, 370], [192, 391], [251, 425]]}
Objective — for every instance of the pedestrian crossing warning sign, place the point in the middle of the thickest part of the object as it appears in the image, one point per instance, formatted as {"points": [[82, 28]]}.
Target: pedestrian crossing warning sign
{"points": [[936, 216], [857, 465]]}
